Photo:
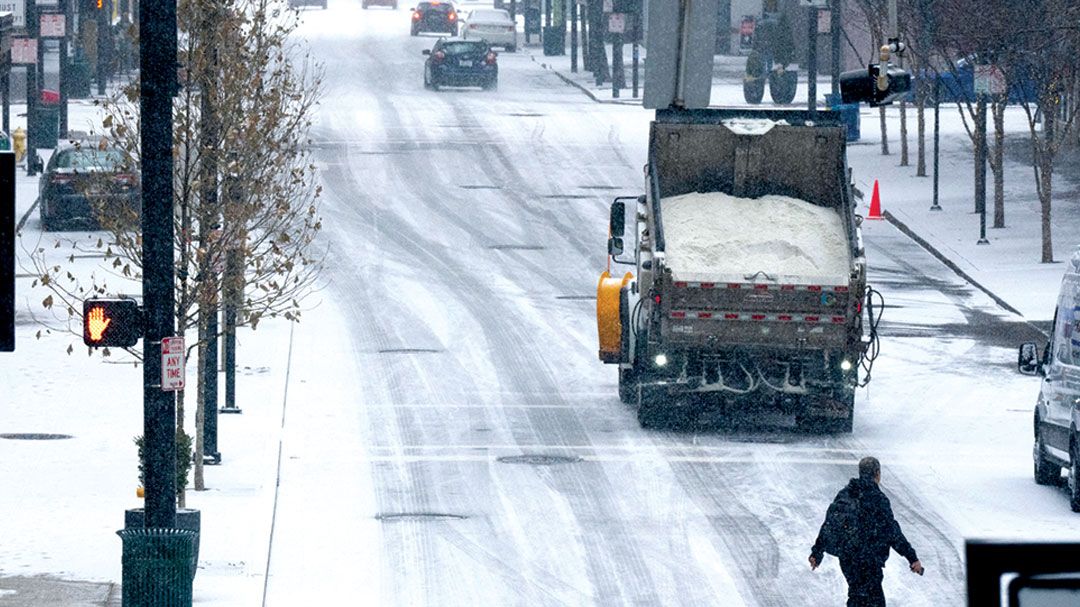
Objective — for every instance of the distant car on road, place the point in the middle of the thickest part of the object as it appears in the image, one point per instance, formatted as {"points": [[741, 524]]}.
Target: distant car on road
{"points": [[83, 182], [493, 25], [391, 3], [1057, 414], [434, 16], [301, 3], [461, 63]]}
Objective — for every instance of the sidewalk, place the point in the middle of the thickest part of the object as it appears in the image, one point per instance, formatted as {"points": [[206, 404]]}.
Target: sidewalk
{"points": [[951, 233]]}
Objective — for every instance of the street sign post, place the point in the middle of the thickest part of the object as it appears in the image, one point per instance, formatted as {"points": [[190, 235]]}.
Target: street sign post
{"points": [[172, 364], [7, 252]]}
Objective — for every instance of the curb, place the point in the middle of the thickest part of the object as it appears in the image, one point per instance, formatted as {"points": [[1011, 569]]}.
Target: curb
{"points": [[948, 262]]}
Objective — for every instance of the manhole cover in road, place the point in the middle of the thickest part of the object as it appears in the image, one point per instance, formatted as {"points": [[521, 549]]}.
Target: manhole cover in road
{"points": [[576, 297], [598, 187], [418, 516], [536, 459], [409, 351], [35, 436], [480, 187], [516, 247]]}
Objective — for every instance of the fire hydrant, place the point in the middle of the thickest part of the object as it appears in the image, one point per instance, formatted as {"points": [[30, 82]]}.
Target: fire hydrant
{"points": [[18, 143]]}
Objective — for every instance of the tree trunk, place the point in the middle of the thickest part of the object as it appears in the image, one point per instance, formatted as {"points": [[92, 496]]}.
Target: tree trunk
{"points": [[1046, 174], [903, 135], [884, 133], [997, 163]]}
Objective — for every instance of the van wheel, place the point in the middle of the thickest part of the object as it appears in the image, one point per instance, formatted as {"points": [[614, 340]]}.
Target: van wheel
{"points": [[1074, 479], [1046, 473]]}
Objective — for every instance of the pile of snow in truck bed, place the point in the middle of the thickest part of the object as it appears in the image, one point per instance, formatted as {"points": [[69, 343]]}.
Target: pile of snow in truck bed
{"points": [[715, 234]]}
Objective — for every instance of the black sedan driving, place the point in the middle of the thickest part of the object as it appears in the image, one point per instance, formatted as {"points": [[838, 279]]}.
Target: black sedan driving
{"points": [[461, 63]]}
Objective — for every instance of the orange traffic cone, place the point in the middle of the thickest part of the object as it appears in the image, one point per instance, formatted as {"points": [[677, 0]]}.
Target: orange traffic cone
{"points": [[875, 203]]}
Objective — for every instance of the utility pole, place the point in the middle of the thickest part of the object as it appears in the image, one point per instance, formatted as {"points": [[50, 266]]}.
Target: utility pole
{"points": [[834, 31], [811, 60], [980, 166], [33, 90], [65, 8], [210, 238], [157, 66], [937, 143], [573, 37], [104, 23]]}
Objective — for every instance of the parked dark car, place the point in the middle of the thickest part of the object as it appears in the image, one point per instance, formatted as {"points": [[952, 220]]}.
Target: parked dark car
{"points": [[461, 63], [434, 16], [82, 183]]}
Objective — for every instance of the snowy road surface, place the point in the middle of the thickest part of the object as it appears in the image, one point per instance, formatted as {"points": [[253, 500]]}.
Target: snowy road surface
{"points": [[474, 451]]}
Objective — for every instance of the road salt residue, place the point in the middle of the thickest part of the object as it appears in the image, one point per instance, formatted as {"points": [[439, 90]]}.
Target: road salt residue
{"points": [[714, 234]]}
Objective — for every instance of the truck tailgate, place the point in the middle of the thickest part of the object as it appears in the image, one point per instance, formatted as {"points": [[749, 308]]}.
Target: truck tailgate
{"points": [[710, 315]]}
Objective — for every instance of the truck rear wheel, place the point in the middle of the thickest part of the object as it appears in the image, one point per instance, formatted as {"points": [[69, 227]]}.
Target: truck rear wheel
{"points": [[627, 386], [650, 413]]}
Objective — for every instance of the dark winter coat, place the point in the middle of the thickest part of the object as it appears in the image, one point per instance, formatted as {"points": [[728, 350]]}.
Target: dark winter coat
{"points": [[878, 529]]}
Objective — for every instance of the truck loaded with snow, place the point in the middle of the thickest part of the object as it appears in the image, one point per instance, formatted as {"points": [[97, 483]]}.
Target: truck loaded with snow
{"points": [[750, 274]]}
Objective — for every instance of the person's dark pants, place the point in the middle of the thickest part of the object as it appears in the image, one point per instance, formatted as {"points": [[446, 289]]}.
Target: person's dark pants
{"points": [[864, 583]]}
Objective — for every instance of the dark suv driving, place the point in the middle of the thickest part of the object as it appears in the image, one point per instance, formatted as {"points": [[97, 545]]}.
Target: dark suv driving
{"points": [[434, 17]]}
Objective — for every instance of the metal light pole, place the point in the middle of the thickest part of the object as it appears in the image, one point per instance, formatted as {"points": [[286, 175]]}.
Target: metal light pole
{"points": [[980, 167], [811, 60], [157, 66], [937, 143]]}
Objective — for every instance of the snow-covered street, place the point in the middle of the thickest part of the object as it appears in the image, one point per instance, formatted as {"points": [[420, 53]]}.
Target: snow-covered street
{"points": [[438, 430]]}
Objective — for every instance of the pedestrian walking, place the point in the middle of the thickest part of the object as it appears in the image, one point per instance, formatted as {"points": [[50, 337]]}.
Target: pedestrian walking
{"points": [[859, 529]]}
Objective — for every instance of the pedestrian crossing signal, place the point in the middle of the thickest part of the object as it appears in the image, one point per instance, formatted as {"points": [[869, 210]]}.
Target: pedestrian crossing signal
{"points": [[111, 323]]}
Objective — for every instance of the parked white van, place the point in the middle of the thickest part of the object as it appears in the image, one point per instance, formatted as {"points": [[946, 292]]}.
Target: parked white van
{"points": [[1057, 411]]}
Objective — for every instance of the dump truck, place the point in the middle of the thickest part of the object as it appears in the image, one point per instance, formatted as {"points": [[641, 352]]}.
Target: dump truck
{"points": [[749, 275]]}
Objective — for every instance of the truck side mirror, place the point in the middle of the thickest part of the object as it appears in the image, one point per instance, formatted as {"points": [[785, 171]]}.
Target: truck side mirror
{"points": [[615, 246], [617, 225], [1028, 360]]}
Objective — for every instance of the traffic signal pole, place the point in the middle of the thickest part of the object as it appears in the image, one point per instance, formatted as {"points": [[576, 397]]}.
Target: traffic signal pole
{"points": [[157, 68]]}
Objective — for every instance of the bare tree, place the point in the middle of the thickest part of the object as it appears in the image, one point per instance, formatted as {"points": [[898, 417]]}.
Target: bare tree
{"points": [[262, 89]]}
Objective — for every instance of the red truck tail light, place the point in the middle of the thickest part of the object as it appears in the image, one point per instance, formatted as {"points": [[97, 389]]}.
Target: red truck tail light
{"points": [[490, 59], [438, 56]]}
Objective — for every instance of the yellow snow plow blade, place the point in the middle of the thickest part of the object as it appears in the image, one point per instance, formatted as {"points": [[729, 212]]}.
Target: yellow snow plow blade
{"points": [[608, 325]]}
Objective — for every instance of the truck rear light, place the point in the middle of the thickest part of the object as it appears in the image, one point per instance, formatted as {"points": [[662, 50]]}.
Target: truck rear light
{"points": [[757, 317], [734, 285], [811, 318], [438, 56], [708, 285], [704, 315], [838, 320], [656, 298], [784, 317], [731, 316], [490, 59], [416, 16], [680, 285], [678, 314]]}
